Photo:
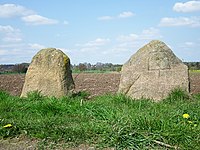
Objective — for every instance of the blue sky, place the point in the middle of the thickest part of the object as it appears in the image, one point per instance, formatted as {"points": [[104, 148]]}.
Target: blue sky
{"points": [[97, 30]]}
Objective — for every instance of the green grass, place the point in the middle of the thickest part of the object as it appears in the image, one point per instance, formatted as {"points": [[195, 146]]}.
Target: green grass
{"points": [[106, 121], [194, 71]]}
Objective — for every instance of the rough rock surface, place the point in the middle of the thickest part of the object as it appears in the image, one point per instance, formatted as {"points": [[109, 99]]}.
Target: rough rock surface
{"points": [[49, 73], [153, 72]]}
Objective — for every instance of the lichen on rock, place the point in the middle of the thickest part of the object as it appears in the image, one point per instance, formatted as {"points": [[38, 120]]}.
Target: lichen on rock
{"points": [[153, 72], [49, 73]]}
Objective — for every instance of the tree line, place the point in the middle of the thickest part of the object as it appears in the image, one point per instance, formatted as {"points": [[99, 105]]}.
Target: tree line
{"points": [[22, 68], [193, 65], [98, 66], [17, 68]]}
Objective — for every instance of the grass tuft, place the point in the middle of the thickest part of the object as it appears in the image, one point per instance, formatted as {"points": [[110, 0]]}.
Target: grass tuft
{"points": [[105, 121]]}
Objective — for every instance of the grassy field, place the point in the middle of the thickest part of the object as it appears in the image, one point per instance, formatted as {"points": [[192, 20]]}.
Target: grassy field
{"points": [[113, 121], [194, 71]]}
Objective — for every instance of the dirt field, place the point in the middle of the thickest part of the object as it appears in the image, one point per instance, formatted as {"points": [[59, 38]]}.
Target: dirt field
{"points": [[94, 83]]}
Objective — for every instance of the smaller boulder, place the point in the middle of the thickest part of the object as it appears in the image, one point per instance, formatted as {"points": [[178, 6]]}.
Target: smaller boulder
{"points": [[49, 73]]}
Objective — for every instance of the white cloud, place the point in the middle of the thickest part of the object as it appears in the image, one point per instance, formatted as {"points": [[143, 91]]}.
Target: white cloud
{"points": [[181, 21], [89, 49], [18, 52], [150, 34], [65, 22], [103, 18], [12, 38], [10, 34], [126, 14], [146, 34], [38, 20], [3, 52], [97, 42], [36, 46], [127, 38], [190, 6], [27, 15], [125, 45], [12, 10], [189, 44], [135, 41], [93, 45], [7, 29], [189, 50]]}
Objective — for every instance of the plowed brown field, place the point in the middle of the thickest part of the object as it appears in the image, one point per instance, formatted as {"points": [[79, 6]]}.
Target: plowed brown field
{"points": [[94, 83]]}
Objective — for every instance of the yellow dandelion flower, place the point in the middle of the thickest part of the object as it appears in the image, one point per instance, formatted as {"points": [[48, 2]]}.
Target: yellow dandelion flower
{"points": [[186, 116], [8, 126], [190, 122]]}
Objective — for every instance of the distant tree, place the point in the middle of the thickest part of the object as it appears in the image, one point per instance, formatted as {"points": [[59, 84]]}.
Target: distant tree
{"points": [[20, 68], [82, 67], [93, 67], [198, 65], [1, 68], [88, 66], [99, 66], [118, 69], [193, 65]]}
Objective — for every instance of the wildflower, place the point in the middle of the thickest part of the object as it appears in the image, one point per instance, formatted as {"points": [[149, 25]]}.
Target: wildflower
{"points": [[8, 126], [186, 116], [190, 122]]}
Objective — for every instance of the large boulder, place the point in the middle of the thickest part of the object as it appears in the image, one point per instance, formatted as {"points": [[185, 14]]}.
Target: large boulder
{"points": [[153, 72], [49, 73]]}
